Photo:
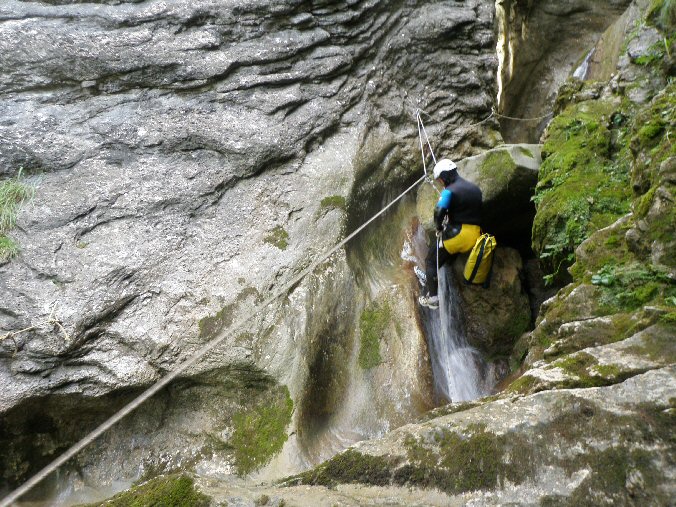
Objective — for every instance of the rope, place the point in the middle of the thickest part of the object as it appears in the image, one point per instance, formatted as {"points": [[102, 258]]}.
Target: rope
{"points": [[525, 119], [88, 439], [421, 130]]}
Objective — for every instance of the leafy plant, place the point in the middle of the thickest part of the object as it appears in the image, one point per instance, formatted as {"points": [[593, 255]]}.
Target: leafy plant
{"points": [[605, 276]]}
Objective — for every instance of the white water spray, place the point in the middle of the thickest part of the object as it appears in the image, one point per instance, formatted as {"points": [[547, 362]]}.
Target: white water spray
{"points": [[458, 368]]}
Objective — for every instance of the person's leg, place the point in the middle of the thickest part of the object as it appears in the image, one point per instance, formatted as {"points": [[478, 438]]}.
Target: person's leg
{"points": [[431, 281]]}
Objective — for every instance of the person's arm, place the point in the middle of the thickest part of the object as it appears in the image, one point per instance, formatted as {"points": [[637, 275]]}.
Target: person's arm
{"points": [[441, 209]]}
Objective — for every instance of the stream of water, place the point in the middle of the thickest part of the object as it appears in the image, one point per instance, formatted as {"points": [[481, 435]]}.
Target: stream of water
{"points": [[458, 368], [460, 373]]}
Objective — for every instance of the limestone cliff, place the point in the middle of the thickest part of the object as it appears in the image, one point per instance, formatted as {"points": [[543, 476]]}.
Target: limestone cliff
{"points": [[187, 159]]}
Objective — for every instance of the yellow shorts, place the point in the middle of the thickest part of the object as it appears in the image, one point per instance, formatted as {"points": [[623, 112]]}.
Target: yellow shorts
{"points": [[464, 240]]}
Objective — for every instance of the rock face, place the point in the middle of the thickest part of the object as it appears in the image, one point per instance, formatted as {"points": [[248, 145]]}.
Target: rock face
{"points": [[587, 417], [188, 159], [580, 446], [540, 43]]}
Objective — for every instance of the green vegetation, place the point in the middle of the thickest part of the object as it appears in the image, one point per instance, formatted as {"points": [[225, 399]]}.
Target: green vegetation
{"points": [[260, 432], [496, 170], [662, 14], [349, 467], [526, 151], [453, 463], [583, 183], [333, 201], [631, 286], [169, 491], [523, 385], [13, 193], [210, 326], [477, 460], [278, 237], [373, 324]]}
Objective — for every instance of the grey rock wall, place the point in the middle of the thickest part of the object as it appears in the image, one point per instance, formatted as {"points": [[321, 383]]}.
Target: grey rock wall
{"points": [[187, 158]]}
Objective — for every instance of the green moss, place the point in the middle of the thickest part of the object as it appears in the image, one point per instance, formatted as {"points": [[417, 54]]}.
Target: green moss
{"points": [[576, 364], [523, 385], [582, 184], [169, 491], [525, 151], [260, 432], [456, 463], [648, 134], [657, 345], [588, 373], [632, 286], [453, 463], [642, 204], [607, 370], [349, 467], [374, 322], [333, 201], [515, 326], [278, 237], [210, 326], [496, 170]]}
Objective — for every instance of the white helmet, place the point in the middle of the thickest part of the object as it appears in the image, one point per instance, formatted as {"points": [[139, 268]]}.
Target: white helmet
{"points": [[442, 166]]}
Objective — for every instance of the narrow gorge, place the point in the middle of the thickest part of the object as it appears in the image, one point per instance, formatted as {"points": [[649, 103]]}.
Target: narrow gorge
{"points": [[176, 174]]}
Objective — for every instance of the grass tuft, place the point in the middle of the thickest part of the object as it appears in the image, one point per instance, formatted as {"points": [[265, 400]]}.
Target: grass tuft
{"points": [[13, 193]]}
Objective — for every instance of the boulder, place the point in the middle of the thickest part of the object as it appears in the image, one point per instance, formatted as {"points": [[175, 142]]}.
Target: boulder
{"points": [[507, 176]]}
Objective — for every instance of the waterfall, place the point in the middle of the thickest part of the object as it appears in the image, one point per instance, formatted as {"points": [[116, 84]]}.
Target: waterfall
{"points": [[583, 69], [460, 373], [458, 368]]}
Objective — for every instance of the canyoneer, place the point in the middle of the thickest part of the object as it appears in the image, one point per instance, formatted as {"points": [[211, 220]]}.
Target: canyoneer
{"points": [[457, 219]]}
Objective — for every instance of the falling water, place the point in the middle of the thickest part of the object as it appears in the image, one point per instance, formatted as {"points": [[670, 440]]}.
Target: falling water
{"points": [[460, 373], [583, 69], [458, 368]]}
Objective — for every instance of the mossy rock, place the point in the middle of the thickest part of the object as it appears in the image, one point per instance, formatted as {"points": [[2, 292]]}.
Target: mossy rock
{"points": [[582, 184], [259, 432], [278, 237], [169, 491], [452, 462], [373, 324]]}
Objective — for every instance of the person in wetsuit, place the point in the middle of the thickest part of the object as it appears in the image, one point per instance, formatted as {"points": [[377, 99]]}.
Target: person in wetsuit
{"points": [[457, 218]]}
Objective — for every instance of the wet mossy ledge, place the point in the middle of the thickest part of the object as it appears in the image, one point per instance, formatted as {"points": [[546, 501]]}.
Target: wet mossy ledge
{"points": [[453, 462], [259, 433], [459, 456], [177, 490], [373, 323]]}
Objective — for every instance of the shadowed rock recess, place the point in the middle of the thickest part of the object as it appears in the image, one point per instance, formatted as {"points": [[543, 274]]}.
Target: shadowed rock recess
{"points": [[184, 160]]}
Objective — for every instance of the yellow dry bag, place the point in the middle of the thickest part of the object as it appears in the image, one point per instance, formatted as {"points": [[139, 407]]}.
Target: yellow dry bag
{"points": [[479, 265]]}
